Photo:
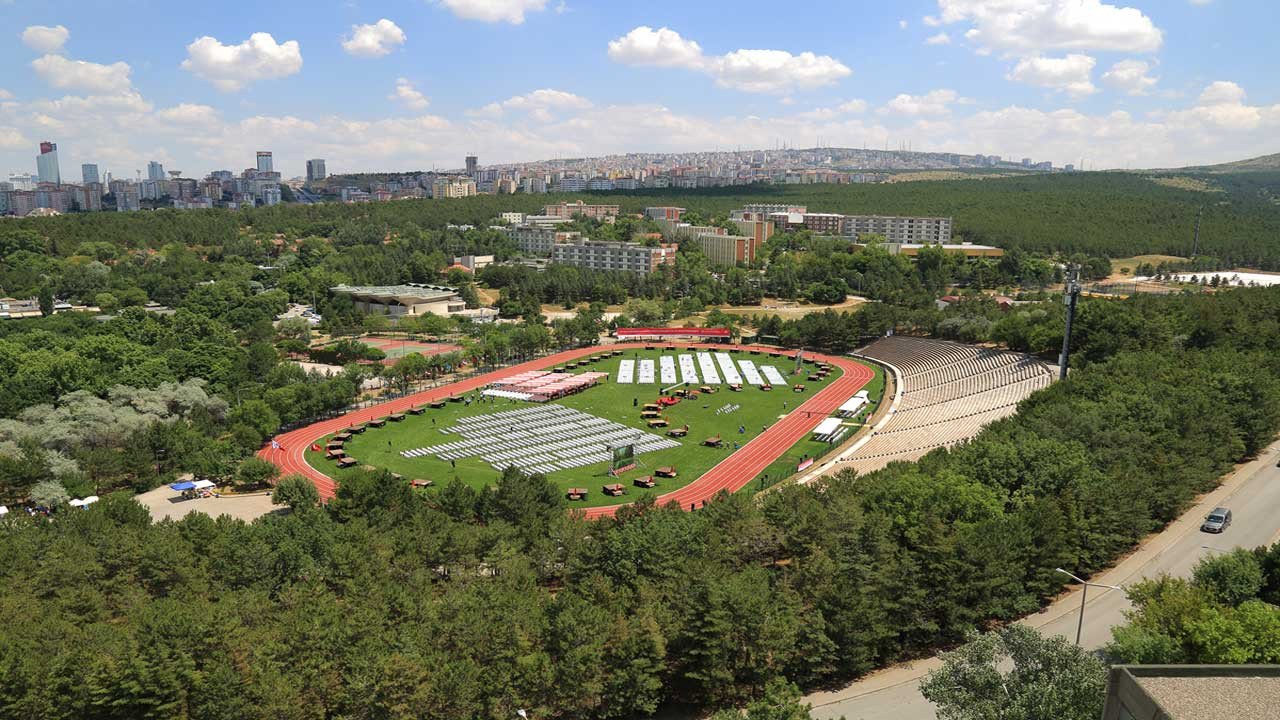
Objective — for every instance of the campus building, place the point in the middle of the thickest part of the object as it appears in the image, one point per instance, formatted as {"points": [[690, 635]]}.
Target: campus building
{"points": [[727, 250], [619, 256], [534, 240], [407, 299], [664, 213], [898, 229], [570, 209], [969, 250]]}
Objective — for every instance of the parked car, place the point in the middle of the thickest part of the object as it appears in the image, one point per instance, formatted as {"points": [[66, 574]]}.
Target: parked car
{"points": [[1216, 521]]}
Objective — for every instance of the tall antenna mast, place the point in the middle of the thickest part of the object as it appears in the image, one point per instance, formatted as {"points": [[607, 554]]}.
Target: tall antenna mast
{"points": [[1070, 296]]}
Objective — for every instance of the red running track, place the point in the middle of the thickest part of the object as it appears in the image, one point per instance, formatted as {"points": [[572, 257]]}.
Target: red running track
{"points": [[730, 474]]}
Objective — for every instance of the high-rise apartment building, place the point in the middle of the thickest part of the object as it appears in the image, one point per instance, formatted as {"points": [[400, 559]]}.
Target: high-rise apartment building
{"points": [[264, 161], [456, 188], [316, 170], [47, 163], [473, 164], [89, 173], [155, 171], [127, 197]]}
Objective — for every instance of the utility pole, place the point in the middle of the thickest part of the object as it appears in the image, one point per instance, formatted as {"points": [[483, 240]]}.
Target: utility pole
{"points": [[1195, 242], [1071, 293]]}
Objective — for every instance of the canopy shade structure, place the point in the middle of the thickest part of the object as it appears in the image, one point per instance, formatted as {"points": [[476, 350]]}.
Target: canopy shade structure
{"points": [[184, 485], [202, 484], [828, 426]]}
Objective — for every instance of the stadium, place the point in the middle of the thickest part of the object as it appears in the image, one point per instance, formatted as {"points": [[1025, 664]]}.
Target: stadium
{"points": [[610, 424]]}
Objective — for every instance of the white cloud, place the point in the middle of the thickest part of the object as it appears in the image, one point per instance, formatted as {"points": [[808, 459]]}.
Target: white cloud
{"points": [[408, 95], [750, 70], [232, 67], [491, 11], [1222, 92], [1130, 76], [374, 40], [45, 39], [660, 48], [1071, 74], [934, 102], [931, 20], [66, 74], [1032, 26], [12, 139], [851, 107], [189, 115], [542, 105], [5, 94], [902, 24], [940, 39]]}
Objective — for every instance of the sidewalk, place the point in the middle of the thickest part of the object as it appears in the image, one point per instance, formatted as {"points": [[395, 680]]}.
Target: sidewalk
{"points": [[1129, 567]]}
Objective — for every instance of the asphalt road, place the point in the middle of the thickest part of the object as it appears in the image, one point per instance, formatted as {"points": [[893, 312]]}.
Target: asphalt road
{"points": [[1253, 494]]}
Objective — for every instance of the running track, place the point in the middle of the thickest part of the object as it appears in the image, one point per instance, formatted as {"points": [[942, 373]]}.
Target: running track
{"points": [[730, 474]]}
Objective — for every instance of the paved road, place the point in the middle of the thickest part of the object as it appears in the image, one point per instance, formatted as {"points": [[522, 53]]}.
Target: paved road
{"points": [[1252, 493]]}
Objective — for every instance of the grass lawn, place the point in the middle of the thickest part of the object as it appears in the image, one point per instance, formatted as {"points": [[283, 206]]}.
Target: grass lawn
{"points": [[381, 446]]}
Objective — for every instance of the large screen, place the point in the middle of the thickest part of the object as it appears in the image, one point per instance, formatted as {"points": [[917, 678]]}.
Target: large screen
{"points": [[623, 455]]}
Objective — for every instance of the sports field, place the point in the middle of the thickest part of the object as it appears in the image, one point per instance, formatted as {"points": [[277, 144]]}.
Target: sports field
{"points": [[622, 403]]}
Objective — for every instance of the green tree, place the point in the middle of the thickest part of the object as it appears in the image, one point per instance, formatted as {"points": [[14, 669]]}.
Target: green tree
{"points": [[1045, 678], [256, 472], [295, 491]]}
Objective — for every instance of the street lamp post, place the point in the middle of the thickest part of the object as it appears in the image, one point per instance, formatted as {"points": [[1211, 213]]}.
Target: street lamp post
{"points": [[1084, 593]]}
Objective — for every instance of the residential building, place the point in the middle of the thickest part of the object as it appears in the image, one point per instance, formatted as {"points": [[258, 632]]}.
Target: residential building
{"points": [[88, 197], [599, 183], [89, 173], [47, 164], [52, 197], [264, 161], [727, 250], [201, 203], [898, 229], [453, 188], [22, 202], [354, 195], [535, 240], [545, 221], [572, 184], [127, 196], [407, 299], [211, 189], [512, 218], [616, 256], [626, 184], [381, 195], [155, 171], [680, 231], [23, 181], [570, 209], [505, 186], [533, 185], [316, 170], [664, 213], [473, 164], [270, 195]]}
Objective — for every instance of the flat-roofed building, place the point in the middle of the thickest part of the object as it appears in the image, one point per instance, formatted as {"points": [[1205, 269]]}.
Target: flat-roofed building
{"points": [[474, 263], [1192, 692], [617, 256], [667, 212], [727, 250], [455, 188], [406, 299], [758, 230], [765, 209], [569, 209], [539, 240], [900, 229], [823, 223], [967, 249], [545, 221]]}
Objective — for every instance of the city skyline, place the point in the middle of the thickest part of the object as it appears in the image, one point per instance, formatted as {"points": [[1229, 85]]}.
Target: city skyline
{"points": [[1139, 84]]}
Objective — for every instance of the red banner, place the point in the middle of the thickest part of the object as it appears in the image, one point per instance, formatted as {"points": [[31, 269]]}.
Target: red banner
{"points": [[804, 465]]}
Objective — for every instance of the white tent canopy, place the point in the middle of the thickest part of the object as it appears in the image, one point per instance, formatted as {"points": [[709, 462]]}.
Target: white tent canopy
{"points": [[4, 510], [828, 426], [200, 485]]}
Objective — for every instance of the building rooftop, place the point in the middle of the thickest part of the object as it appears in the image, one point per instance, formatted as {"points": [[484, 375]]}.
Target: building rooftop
{"points": [[408, 293], [1184, 692]]}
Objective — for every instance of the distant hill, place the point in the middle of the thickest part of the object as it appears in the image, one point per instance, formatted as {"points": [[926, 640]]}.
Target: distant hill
{"points": [[1265, 162]]}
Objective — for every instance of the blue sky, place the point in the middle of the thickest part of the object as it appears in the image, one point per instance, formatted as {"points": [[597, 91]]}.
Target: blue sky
{"points": [[411, 84]]}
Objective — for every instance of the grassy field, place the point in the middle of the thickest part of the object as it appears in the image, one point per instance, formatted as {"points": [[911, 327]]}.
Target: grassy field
{"points": [[381, 447]]}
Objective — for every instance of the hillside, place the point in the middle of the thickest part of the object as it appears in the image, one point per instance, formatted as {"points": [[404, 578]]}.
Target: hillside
{"points": [[1263, 163]]}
